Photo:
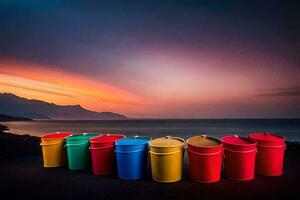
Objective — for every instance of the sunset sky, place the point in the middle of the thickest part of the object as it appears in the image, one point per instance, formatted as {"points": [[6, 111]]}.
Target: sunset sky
{"points": [[154, 59]]}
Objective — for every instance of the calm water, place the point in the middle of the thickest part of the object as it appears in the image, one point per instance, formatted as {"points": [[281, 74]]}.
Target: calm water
{"points": [[290, 128]]}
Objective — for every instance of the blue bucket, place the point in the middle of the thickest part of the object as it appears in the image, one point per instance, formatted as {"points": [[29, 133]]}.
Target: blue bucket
{"points": [[131, 155]]}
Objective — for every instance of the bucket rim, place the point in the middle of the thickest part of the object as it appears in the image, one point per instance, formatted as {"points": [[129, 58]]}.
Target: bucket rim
{"points": [[255, 136], [143, 140], [81, 136], [104, 135], [169, 146], [252, 143], [208, 147], [48, 136]]}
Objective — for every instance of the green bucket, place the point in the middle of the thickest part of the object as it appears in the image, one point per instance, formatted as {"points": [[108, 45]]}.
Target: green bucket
{"points": [[77, 147]]}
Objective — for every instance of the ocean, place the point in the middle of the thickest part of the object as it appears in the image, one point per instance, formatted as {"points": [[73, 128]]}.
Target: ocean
{"points": [[290, 128]]}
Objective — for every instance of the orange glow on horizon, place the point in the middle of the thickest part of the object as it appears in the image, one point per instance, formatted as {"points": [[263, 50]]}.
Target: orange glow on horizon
{"points": [[162, 89], [37, 82]]}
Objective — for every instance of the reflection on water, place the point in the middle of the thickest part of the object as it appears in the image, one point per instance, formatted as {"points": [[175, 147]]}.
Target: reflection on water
{"points": [[290, 128]]}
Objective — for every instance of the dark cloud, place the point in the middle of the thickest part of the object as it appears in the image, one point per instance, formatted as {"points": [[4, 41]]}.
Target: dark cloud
{"points": [[71, 34], [281, 92]]}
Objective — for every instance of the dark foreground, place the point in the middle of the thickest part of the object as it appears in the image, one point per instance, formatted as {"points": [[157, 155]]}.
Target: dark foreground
{"points": [[22, 175]]}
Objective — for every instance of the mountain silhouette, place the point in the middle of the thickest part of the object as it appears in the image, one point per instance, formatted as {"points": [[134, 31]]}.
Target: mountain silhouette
{"points": [[7, 118], [16, 106]]}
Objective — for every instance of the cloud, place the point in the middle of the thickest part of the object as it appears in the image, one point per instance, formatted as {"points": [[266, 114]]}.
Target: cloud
{"points": [[280, 92], [36, 90]]}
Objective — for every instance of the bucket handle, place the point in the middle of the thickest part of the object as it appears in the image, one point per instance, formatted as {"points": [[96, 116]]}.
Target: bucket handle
{"points": [[163, 154], [73, 145], [205, 154], [238, 151], [241, 151], [259, 145], [98, 148], [131, 151], [43, 144]]}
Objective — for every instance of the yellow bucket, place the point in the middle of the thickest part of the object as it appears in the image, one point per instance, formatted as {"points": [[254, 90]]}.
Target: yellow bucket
{"points": [[166, 155], [53, 150]]}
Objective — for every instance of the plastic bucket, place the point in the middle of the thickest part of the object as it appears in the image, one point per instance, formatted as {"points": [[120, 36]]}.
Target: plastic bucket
{"points": [[205, 158], [131, 156], [53, 151], [270, 153], [239, 157], [102, 153], [166, 156], [77, 147]]}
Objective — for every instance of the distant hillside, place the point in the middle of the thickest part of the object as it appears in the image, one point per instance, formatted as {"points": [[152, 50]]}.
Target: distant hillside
{"points": [[13, 105], [6, 118]]}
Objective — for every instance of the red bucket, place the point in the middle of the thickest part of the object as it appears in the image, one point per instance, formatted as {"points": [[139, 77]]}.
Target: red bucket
{"points": [[57, 135], [102, 153], [239, 157], [205, 158], [270, 153]]}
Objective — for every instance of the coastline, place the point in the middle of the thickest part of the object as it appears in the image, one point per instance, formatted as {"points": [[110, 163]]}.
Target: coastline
{"points": [[161, 127], [21, 168]]}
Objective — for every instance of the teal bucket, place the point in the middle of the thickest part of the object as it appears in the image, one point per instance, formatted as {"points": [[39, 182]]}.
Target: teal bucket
{"points": [[77, 147]]}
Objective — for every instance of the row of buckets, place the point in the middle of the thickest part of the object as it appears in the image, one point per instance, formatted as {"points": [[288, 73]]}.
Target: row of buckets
{"points": [[241, 157]]}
